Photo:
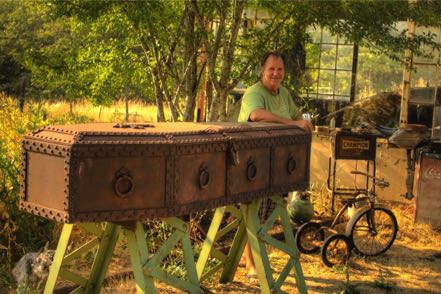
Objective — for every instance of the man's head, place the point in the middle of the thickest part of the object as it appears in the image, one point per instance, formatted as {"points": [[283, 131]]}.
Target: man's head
{"points": [[273, 71]]}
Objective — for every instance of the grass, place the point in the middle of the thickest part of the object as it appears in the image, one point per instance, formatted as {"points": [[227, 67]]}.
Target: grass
{"points": [[139, 111]]}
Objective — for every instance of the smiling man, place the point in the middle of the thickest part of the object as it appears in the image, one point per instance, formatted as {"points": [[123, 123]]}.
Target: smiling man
{"points": [[269, 101]]}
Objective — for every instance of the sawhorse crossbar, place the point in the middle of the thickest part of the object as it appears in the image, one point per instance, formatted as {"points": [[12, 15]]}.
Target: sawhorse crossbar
{"points": [[145, 267], [249, 229]]}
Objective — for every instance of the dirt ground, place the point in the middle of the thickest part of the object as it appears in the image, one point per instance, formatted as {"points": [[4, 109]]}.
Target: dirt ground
{"points": [[411, 265]]}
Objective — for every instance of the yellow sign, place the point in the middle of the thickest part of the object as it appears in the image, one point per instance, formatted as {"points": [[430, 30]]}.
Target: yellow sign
{"points": [[351, 144]]}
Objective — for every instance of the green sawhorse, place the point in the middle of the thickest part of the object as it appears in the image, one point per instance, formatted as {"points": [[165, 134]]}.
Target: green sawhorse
{"points": [[249, 229], [145, 267]]}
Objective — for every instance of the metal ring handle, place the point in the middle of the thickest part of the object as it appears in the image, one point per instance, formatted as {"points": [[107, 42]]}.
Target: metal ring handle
{"points": [[251, 169], [124, 186], [291, 164], [204, 177]]}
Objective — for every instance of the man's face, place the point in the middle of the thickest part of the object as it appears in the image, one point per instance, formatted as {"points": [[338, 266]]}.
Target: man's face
{"points": [[273, 72]]}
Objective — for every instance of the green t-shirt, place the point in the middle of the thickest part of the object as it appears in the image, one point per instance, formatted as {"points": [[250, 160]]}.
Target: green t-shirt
{"points": [[257, 97]]}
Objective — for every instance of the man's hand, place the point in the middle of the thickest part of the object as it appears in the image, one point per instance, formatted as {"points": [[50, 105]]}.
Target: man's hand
{"points": [[305, 125]]}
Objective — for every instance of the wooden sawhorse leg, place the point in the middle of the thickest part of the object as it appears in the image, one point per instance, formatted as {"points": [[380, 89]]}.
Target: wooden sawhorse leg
{"points": [[215, 233], [147, 268], [258, 236], [250, 229], [106, 236]]}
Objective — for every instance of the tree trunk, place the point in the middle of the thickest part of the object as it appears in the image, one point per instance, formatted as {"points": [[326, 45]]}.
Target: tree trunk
{"points": [[296, 63], [159, 98], [160, 79], [209, 93], [164, 91], [224, 42], [213, 110], [191, 61], [202, 97], [22, 94], [126, 98], [71, 105], [218, 107]]}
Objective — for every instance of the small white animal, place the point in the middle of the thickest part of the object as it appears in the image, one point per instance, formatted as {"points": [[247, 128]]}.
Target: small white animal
{"points": [[33, 268]]}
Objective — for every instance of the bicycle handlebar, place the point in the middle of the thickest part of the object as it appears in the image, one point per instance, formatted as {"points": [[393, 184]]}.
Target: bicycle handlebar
{"points": [[380, 182]]}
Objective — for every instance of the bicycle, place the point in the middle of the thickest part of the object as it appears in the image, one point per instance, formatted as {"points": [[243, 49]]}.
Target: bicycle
{"points": [[370, 230]]}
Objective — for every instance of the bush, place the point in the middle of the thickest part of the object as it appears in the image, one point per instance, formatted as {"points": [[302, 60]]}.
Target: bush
{"points": [[20, 232]]}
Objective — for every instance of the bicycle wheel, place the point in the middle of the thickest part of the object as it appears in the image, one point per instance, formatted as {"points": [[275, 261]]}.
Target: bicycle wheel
{"points": [[335, 250], [307, 237], [373, 234]]}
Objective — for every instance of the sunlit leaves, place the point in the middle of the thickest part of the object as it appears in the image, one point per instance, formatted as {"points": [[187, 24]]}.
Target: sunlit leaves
{"points": [[18, 230], [103, 50]]}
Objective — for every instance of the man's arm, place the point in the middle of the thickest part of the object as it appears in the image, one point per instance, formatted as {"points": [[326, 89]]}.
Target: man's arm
{"points": [[267, 116], [264, 115]]}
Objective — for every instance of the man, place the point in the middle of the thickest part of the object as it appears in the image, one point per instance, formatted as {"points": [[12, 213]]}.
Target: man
{"points": [[269, 101]]}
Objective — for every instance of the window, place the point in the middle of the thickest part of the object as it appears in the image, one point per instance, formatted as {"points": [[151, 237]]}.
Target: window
{"points": [[329, 66]]}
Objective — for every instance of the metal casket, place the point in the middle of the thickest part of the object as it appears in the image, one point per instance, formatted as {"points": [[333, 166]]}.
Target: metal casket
{"points": [[106, 172]]}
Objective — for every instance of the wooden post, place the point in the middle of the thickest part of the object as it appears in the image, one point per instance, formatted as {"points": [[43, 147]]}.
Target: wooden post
{"points": [[146, 267], [407, 74], [436, 119], [250, 230], [105, 240]]}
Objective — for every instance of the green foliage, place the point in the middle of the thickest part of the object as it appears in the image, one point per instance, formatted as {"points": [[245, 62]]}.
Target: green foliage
{"points": [[157, 233], [44, 47], [20, 232], [373, 23], [111, 61], [13, 74], [376, 72], [104, 50]]}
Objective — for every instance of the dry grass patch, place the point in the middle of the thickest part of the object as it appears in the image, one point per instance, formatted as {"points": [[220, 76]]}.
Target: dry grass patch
{"points": [[139, 111], [411, 265]]}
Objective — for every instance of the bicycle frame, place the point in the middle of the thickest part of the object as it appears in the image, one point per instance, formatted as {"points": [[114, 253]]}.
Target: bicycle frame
{"points": [[360, 196], [371, 197]]}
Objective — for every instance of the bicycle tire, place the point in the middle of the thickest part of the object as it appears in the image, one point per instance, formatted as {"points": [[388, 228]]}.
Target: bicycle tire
{"points": [[306, 235], [336, 250], [367, 242]]}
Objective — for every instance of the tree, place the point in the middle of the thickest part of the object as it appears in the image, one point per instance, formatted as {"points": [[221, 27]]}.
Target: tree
{"points": [[163, 39], [170, 44], [105, 49], [110, 57], [219, 46], [14, 76], [44, 48]]}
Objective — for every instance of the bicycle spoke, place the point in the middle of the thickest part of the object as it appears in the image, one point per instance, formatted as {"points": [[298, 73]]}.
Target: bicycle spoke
{"points": [[377, 237]]}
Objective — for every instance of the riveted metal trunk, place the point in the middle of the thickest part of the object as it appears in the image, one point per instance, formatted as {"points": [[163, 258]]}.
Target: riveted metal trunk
{"points": [[106, 172]]}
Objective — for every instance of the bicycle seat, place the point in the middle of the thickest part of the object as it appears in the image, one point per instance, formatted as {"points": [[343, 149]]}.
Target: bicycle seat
{"points": [[347, 199]]}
